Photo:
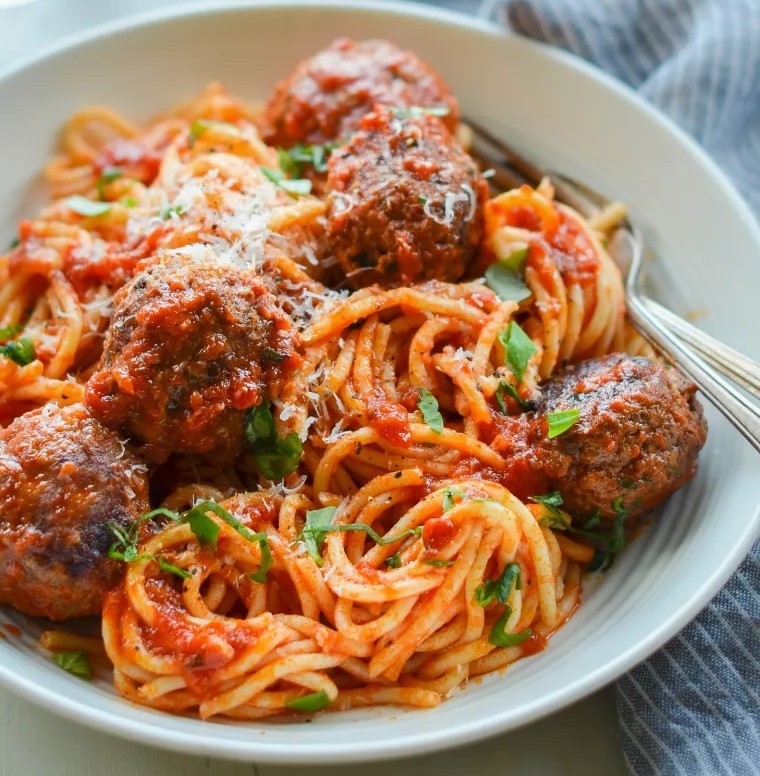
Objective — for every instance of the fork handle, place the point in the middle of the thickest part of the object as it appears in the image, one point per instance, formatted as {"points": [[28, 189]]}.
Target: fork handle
{"points": [[737, 408], [724, 359]]}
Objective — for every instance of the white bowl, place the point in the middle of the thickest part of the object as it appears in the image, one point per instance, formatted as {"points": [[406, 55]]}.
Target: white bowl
{"points": [[560, 110]]}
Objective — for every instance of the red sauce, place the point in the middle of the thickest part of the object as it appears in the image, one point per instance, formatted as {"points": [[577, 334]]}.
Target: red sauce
{"points": [[438, 532], [389, 419], [133, 157], [534, 644], [575, 255], [14, 630]]}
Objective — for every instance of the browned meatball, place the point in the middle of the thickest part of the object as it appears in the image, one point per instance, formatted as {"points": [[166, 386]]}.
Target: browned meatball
{"points": [[404, 202], [192, 345], [63, 479], [635, 442], [325, 97]]}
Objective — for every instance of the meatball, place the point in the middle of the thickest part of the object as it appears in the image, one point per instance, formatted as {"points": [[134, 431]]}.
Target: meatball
{"points": [[325, 97], [404, 202], [63, 479], [635, 442], [192, 345]]}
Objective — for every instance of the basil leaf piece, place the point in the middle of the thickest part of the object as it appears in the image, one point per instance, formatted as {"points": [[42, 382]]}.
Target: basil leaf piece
{"points": [[75, 663], [293, 160], [552, 501], [168, 212], [394, 561], [108, 175], [298, 186], [311, 703], [9, 331], [499, 636], [561, 421], [14, 243], [170, 568], [315, 530], [511, 391], [499, 589], [506, 283], [519, 348], [128, 201], [87, 207], [439, 563], [428, 406], [448, 498], [516, 260], [274, 457], [205, 530], [199, 126], [19, 351]]}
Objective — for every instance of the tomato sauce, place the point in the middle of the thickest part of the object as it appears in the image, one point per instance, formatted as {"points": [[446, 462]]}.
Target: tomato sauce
{"points": [[389, 419]]}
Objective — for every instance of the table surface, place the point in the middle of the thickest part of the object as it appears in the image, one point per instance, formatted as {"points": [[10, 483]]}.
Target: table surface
{"points": [[579, 740]]}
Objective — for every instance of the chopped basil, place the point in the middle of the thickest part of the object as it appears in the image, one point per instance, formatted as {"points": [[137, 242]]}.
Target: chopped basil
{"points": [[274, 457], [519, 348], [422, 201], [448, 498], [417, 110], [315, 529], [19, 351], [170, 568], [552, 501], [15, 242], [201, 525], [205, 530], [499, 589], [319, 524], [108, 175], [9, 331], [612, 542], [499, 636], [511, 391], [428, 406], [199, 126], [393, 561], [561, 421], [311, 703], [128, 201], [292, 160], [297, 186], [75, 663], [168, 212], [87, 207], [439, 563], [516, 260], [506, 283]]}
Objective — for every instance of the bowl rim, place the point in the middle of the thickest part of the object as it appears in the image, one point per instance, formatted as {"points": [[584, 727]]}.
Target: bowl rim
{"points": [[143, 731]]}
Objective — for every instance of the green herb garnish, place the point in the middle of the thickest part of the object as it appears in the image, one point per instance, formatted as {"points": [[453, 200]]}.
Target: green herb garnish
{"points": [[14, 243], [505, 282], [275, 457], [561, 421], [428, 406], [499, 636], [9, 331], [439, 563], [519, 348], [87, 207], [108, 175], [448, 498], [19, 351], [499, 589], [199, 126], [75, 663], [170, 568], [552, 501], [394, 561], [298, 186], [311, 703], [511, 391], [292, 160], [168, 212]]}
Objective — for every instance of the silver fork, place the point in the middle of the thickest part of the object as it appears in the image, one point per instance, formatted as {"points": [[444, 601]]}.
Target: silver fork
{"points": [[704, 359]]}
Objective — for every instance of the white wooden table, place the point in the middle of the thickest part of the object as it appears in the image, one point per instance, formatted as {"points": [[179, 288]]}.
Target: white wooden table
{"points": [[580, 740]]}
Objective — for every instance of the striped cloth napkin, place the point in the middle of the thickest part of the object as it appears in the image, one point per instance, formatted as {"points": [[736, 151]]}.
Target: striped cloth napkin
{"points": [[694, 707]]}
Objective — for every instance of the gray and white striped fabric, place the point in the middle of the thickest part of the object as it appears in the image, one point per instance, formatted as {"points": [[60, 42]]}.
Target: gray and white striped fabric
{"points": [[694, 707]]}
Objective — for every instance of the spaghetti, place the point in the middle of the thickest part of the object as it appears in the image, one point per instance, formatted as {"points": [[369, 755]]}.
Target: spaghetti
{"points": [[406, 550]]}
